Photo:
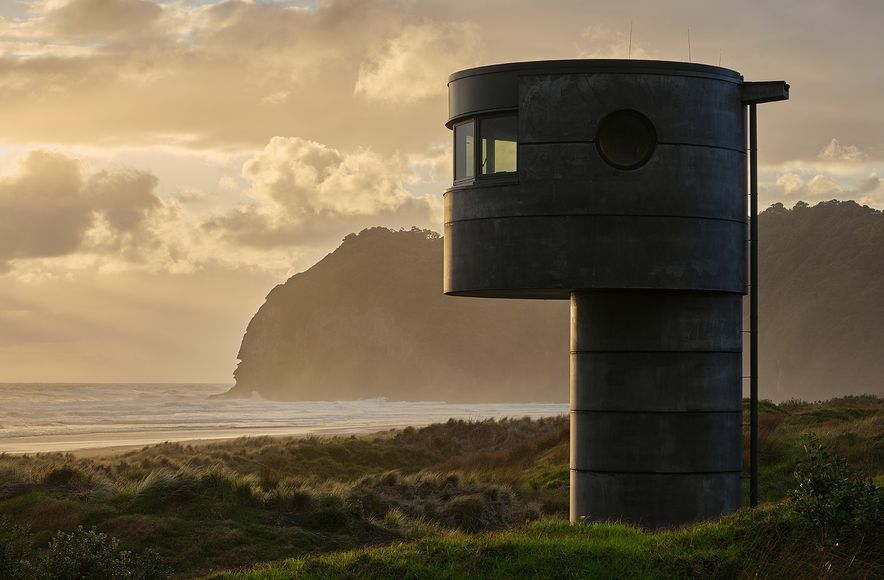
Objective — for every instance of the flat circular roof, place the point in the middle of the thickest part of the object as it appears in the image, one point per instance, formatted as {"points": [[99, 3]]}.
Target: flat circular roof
{"points": [[604, 65]]}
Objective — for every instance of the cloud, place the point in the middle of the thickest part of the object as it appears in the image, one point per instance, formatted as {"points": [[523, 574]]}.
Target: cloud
{"points": [[871, 191], [124, 71], [101, 18], [362, 82], [415, 64], [790, 187], [818, 187], [294, 199], [790, 183], [139, 70], [277, 98], [309, 193], [309, 178], [51, 202], [835, 151]]}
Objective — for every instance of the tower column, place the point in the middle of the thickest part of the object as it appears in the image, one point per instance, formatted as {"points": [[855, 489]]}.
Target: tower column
{"points": [[656, 422]]}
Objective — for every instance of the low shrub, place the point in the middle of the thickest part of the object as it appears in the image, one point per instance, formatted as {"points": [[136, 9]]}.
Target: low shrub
{"points": [[832, 496], [84, 553], [14, 549]]}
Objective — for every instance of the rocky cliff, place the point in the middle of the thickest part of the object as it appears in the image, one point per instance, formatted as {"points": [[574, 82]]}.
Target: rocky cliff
{"points": [[369, 320]]}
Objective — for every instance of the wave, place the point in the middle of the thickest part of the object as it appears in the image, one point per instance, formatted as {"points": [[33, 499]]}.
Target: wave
{"points": [[78, 411]]}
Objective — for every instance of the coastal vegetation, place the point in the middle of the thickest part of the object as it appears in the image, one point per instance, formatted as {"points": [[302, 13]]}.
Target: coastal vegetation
{"points": [[482, 498]]}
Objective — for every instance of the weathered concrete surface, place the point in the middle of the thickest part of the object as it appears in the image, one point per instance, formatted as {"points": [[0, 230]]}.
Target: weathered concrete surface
{"points": [[653, 260], [511, 257], [568, 220], [653, 500], [655, 391]]}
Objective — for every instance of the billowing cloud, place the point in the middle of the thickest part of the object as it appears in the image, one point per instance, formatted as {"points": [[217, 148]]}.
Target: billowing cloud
{"points": [[204, 75], [231, 74], [308, 193], [191, 92], [307, 177], [791, 187], [297, 197], [870, 191], [101, 18], [416, 63], [835, 151], [51, 202]]}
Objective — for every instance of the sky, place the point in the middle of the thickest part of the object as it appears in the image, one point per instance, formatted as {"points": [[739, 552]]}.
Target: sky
{"points": [[165, 163]]}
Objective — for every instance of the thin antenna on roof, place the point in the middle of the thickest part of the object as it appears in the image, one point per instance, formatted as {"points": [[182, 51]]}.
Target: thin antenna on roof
{"points": [[629, 55], [689, 46], [719, 57]]}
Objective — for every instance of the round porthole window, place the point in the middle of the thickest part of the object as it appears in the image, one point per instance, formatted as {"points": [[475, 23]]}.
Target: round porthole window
{"points": [[626, 139]]}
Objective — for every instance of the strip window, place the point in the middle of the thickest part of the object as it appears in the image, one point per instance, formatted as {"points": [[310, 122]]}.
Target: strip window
{"points": [[485, 147]]}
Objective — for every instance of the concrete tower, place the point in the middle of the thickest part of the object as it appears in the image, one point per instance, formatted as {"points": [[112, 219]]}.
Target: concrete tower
{"points": [[619, 185]]}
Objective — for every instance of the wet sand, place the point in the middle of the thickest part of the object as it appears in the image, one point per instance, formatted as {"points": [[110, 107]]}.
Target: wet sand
{"points": [[114, 443]]}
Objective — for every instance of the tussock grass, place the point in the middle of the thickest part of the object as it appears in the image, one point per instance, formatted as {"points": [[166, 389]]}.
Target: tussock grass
{"points": [[232, 504]]}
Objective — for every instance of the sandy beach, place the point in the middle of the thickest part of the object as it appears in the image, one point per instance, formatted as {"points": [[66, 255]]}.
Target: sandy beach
{"points": [[104, 444], [82, 417]]}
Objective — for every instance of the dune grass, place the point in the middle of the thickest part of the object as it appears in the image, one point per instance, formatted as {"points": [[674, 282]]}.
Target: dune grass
{"points": [[230, 505]]}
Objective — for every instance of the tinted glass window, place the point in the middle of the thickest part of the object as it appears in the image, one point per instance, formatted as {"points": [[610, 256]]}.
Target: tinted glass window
{"points": [[464, 150], [498, 144], [626, 139]]}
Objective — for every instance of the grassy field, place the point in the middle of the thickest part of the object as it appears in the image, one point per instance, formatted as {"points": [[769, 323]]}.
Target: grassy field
{"points": [[452, 499], [766, 543]]}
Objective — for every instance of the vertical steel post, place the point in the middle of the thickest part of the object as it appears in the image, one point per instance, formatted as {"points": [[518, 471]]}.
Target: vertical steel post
{"points": [[753, 307]]}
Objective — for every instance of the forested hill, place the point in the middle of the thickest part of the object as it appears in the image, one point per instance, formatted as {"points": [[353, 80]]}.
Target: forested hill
{"points": [[821, 300], [369, 320]]}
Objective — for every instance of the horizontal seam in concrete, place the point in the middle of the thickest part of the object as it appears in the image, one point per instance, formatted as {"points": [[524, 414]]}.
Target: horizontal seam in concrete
{"points": [[741, 151], [651, 352], [484, 293], [590, 351], [658, 412], [600, 215], [606, 472], [643, 72]]}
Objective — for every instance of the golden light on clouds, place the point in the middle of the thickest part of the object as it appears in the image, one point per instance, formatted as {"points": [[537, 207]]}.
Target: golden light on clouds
{"points": [[173, 150]]}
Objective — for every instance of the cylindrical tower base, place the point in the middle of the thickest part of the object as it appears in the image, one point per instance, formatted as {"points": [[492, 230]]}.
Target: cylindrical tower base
{"points": [[656, 423]]}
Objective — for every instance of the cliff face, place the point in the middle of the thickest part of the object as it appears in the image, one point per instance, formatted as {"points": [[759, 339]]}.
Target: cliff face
{"points": [[370, 320]]}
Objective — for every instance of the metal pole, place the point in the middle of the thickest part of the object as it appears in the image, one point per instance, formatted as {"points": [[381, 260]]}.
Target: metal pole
{"points": [[753, 307]]}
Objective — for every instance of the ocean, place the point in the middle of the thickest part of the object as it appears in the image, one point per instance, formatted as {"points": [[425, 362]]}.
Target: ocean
{"points": [[65, 417]]}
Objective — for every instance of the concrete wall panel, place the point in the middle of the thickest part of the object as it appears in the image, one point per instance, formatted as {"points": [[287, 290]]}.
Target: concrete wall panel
{"points": [[661, 442], [653, 500], [507, 257], [656, 381]]}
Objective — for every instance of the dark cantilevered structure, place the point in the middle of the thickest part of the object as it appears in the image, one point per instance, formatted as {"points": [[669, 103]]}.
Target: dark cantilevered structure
{"points": [[620, 185]]}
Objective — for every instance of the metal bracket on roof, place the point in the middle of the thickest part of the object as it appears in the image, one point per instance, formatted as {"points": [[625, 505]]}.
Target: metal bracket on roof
{"points": [[753, 93]]}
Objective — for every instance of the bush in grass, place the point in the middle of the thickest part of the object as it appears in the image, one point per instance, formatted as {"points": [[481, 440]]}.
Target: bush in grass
{"points": [[86, 554], [832, 496], [14, 547]]}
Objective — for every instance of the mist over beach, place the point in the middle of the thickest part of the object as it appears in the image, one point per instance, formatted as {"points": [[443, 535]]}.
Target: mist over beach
{"points": [[59, 417]]}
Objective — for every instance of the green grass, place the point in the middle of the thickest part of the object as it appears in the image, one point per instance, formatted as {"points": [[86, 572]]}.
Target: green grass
{"points": [[234, 504], [768, 542]]}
